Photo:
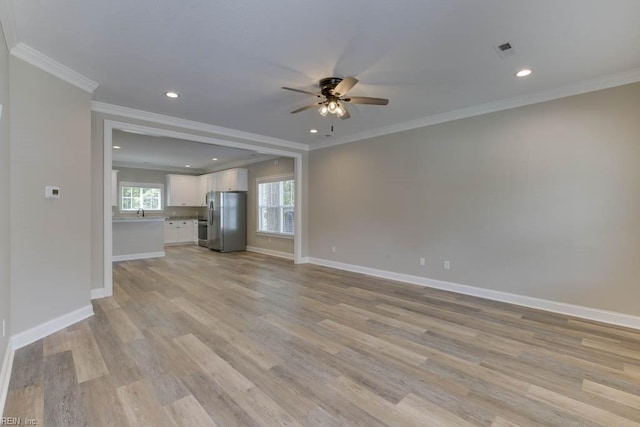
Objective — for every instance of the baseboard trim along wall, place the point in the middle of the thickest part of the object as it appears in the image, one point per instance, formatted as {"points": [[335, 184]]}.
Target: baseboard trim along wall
{"points": [[5, 374], [588, 313], [269, 252], [97, 293], [145, 255], [37, 332]]}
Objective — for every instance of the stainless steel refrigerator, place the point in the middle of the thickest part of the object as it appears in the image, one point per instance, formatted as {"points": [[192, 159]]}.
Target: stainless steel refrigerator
{"points": [[227, 221]]}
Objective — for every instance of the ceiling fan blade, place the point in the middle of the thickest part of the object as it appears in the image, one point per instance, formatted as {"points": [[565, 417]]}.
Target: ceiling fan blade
{"points": [[346, 114], [301, 91], [345, 86], [306, 107], [366, 100]]}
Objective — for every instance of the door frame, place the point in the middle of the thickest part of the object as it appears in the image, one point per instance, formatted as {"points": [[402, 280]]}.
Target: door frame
{"points": [[111, 125]]}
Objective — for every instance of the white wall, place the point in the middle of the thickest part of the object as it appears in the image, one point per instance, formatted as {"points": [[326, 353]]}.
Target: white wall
{"points": [[50, 239], [5, 180], [541, 201]]}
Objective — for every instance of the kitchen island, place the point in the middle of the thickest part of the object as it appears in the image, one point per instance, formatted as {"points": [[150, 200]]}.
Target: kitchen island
{"points": [[138, 238]]}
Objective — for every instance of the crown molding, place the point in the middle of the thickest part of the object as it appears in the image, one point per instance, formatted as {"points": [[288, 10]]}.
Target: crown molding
{"points": [[606, 82], [53, 67], [8, 24], [35, 58], [132, 113]]}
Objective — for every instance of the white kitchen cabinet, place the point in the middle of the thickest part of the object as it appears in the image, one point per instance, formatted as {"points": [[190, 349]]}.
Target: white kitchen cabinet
{"points": [[203, 189], [185, 231], [182, 190], [229, 180], [206, 183], [114, 187], [170, 232], [194, 231], [233, 180], [212, 182], [179, 231]]}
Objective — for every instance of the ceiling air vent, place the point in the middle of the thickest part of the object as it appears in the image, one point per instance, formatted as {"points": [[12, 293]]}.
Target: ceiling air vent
{"points": [[505, 50]]}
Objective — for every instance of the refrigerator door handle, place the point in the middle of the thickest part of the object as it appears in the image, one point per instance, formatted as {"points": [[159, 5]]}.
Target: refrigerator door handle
{"points": [[222, 223]]}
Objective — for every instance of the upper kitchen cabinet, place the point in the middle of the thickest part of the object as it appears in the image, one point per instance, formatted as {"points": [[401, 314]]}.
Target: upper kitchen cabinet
{"points": [[203, 189], [233, 180], [212, 181], [182, 190]]}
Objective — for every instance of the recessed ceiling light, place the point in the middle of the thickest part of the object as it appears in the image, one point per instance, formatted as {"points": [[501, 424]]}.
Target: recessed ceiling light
{"points": [[172, 94], [187, 166], [313, 130], [214, 159], [524, 72], [117, 147]]}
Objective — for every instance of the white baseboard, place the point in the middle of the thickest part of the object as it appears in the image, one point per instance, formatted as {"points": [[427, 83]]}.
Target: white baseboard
{"points": [[98, 293], [269, 252], [304, 260], [588, 313], [5, 374], [47, 328], [143, 255]]}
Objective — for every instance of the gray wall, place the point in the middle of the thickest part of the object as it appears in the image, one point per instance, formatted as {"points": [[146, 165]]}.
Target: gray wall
{"points": [[280, 166], [50, 239], [542, 201], [5, 180], [138, 237]]}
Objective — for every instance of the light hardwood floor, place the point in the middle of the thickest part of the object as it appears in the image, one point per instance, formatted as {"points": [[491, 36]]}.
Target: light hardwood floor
{"points": [[202, 339]]}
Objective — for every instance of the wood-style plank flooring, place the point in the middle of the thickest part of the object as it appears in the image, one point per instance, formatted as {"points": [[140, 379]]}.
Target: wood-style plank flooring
{"points": [[201, 338]]}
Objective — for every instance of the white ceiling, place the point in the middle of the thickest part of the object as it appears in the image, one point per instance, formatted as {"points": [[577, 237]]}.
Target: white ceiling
{"points": [[156, 152], [228, 60]]}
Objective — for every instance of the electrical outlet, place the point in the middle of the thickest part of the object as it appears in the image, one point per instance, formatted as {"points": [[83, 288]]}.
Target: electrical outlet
{"points": [[422, 261], [447, 265], [333, 249]]}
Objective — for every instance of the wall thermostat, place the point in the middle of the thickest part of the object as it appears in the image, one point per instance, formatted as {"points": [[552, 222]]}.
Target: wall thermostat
{"points": [[51, 192]]}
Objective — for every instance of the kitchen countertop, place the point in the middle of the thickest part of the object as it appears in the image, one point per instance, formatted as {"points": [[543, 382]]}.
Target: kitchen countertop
{"points": [[181, 218], [139, 219]]}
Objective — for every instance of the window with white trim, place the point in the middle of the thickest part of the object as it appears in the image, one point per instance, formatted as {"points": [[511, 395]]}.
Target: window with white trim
{"points": [[136, 195], [276, 213]]}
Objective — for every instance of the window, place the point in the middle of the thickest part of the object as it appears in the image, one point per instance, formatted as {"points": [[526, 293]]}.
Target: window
{"points": [[276, 212], [134, 196]]}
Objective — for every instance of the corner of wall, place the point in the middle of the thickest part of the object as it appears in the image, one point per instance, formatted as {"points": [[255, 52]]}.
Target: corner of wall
{"points": [[6, 353], [5, 374]]}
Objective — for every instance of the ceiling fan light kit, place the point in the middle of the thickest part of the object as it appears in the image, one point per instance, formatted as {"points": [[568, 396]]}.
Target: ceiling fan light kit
{"points": [[332, 92]]}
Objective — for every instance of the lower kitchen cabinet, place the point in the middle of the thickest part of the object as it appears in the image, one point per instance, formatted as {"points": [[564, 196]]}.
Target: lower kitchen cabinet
{"points": [[180, 231], [194, 231]]}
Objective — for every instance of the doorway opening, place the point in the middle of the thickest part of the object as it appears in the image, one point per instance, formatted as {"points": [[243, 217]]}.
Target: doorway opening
{"points": [[110, 126]]}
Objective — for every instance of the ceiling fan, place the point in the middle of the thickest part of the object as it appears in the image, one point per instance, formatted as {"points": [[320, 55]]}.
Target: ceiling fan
{"points": [[332, 97]]}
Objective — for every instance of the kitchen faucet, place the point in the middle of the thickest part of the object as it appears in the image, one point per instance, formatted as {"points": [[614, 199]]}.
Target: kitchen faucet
{"points": [[138, 213]]}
